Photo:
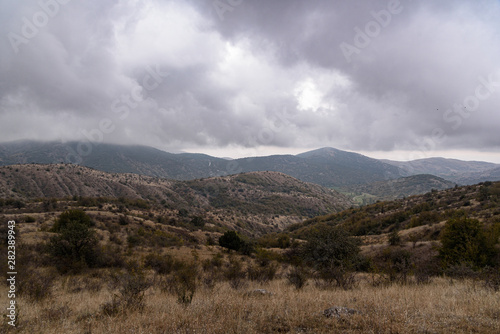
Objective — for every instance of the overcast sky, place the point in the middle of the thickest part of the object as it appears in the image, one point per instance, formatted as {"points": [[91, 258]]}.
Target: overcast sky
{"points": [[398, 79]]}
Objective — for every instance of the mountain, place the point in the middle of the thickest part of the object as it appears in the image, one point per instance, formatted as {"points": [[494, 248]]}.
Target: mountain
{"points": [[327, 167], [462, 172], [398, 188], [111, 158], [256, 197], [347, 168]]}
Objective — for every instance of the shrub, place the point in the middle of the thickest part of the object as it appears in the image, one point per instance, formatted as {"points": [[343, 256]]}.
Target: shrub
{"points": [[36, 285], [262, 273], [75, 246], [185, 283], [333, 254], [67, 217], [297, 277], [235, 274], [464, 240], [396, 263], [133, 285], [231, 240], [162, 264], [394, 238], [123, 220]]}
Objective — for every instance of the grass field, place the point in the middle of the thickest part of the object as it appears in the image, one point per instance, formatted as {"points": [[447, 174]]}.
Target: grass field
{"points": [[443, 306]]}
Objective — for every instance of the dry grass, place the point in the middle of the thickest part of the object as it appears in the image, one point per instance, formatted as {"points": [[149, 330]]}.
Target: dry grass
{"points": [[440, 307]]}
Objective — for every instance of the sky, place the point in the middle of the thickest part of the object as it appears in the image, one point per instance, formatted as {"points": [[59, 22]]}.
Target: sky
{"points": [[390, 79]]}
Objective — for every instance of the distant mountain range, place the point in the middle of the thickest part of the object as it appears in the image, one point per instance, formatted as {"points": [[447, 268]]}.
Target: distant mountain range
{"points": [[458, 171], [327, 167]]}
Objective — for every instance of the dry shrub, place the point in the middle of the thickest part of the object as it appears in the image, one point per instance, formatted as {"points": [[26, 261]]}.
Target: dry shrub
{"points": [[491, 278], [183, 283], [131, 294], [77, 284], [262, 273], [36, 285], [235, 274], [297, 277], [162, 264], [56, 313]]}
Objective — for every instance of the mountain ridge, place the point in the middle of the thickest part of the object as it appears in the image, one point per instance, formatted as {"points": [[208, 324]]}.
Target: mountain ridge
{"points": [[326, 166]]}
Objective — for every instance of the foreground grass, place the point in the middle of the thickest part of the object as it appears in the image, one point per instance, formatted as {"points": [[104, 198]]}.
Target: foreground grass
{"points": [[439, 307]]}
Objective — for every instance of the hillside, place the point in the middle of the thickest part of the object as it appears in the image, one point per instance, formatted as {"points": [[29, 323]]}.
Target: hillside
{"points": [[458, 171], [398, 188], [260, 201], [417, 217], [114, 159]]}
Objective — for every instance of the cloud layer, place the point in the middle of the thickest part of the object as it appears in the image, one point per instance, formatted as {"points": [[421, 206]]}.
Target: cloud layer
{"points": [[206, 75]]}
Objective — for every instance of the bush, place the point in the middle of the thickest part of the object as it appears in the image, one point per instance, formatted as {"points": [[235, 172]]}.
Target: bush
{"points": [[133, 285], [162, 264], [297, 277], [231, 240], [463, 240], [67, 217], [185, 283], [333, 254], [36, 285], [394, 238], [75, 246], [262, 273], [396, 263], [235, 274]]}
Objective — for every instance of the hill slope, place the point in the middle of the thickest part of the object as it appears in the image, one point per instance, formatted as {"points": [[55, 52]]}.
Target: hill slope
{"points": [[255, 197], [114, 159], [458, 171], [398, 188], [417, 217]]}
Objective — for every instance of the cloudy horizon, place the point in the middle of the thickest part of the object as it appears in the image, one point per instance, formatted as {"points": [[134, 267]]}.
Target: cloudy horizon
{"points": [[390, 79]]}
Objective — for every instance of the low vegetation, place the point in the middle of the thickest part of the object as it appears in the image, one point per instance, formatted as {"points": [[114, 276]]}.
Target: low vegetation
{"points": [[424, 264]]}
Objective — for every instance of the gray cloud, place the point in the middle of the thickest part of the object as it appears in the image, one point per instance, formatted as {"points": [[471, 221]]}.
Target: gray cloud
{"points": [[365, 75]]}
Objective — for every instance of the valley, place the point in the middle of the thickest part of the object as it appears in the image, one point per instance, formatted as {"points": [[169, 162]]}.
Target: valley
{"points": [[254, 251]]}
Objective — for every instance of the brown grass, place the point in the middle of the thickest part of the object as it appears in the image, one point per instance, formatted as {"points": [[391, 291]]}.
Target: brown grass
{"points": [[440, 307]]}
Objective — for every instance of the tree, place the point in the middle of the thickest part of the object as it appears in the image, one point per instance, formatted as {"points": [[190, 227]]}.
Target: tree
{"points": [[69, 216], [75, 245], [231, 240], [463, 240], [332, 253]]}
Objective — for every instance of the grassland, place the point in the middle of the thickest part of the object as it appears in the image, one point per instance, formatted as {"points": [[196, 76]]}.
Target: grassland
{"points": [[444, 306]]}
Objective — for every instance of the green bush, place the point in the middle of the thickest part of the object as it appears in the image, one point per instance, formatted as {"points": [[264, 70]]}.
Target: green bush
{"points": [[78, 216], [464, 240], [333, 254], [75, 245], [231, 240]]}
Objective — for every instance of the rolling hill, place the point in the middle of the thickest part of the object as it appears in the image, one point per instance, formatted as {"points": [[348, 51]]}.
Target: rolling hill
{"points": [[419, 217], [458, 171], [398, 188], [258, 198]]}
